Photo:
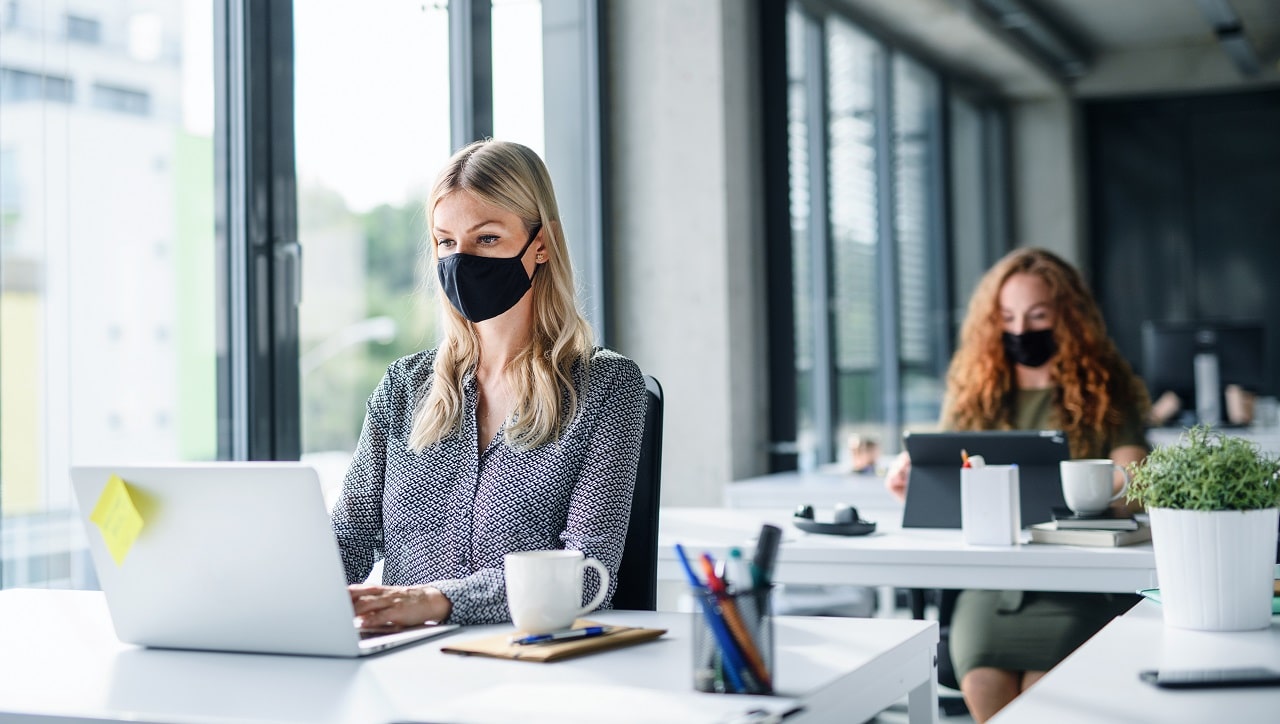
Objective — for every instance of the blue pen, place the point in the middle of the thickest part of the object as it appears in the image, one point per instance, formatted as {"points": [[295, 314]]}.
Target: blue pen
{"points": [[718, 630], [688, 569], [577, 633]]}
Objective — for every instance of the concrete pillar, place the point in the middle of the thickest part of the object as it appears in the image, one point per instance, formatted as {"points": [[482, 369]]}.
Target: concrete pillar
{"points": [[687, 265]]}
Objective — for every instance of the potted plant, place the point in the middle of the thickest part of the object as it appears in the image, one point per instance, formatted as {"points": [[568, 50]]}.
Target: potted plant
{"points": [[1213, 501]]}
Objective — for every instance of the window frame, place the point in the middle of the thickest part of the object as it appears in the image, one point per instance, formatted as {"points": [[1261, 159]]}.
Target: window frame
{"points": [[258, 254]]}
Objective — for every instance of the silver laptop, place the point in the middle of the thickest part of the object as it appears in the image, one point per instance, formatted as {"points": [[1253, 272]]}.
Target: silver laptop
{"points": [[230, 557]]}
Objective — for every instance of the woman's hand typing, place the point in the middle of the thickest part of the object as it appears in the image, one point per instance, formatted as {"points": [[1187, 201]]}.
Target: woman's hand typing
{"points": [[392, 608]]}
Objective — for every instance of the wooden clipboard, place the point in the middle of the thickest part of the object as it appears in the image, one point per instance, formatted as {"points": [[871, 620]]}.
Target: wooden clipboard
{"points": [[500, 646]]}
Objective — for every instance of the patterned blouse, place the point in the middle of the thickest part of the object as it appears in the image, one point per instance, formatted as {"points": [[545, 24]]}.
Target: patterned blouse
{"points": [[448, 515]]}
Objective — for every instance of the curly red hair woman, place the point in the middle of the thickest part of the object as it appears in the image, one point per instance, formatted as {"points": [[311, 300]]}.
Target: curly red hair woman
{"points": [[1095, 386], [1034, 354]]}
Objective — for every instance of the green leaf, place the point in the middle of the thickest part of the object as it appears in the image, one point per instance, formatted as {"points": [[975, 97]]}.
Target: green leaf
{"points": [[1207, 470]]}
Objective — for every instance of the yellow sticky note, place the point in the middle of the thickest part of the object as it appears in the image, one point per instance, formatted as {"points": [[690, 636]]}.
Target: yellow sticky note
{"points": [[117, 517]]}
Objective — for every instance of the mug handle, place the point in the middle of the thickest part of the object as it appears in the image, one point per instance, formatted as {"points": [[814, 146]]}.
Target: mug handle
{"points": [[604, 586], [1123, 488]]}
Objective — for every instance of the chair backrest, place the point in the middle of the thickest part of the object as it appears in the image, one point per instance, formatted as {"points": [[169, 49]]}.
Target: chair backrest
{"points": [[638, 574]]}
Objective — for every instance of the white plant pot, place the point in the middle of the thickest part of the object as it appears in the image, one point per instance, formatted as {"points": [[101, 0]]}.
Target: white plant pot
{"points": [[1215, 567]]}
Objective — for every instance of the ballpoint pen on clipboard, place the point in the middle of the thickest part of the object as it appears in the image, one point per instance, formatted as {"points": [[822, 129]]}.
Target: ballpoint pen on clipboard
{"points": [[554, 636]]}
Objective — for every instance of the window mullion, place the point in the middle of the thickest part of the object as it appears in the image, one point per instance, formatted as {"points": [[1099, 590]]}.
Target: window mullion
{"points": [[470, 71], [887, 259], [938, 231], [783, 398], [258, 254], [824, 363]]}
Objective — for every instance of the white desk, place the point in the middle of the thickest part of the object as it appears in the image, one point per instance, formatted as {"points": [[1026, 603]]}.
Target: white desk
{"points": [[1099, 681], [911, 558], [820, 488], [60, 661]]}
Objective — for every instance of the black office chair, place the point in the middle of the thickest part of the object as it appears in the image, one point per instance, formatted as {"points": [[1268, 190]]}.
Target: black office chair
{"points": [[638, 573]]}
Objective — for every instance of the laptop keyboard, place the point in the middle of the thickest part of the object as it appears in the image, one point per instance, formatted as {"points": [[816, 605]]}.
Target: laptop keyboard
{"points": [[373, 633]]}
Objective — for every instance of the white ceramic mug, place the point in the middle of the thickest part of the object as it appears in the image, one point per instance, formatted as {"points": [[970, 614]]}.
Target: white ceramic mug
{"points": [[1087, 484], [544, 588]]}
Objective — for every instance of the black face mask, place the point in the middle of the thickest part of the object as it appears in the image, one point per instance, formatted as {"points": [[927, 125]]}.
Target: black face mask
{"points": [[483, 287], [1030, 349]]}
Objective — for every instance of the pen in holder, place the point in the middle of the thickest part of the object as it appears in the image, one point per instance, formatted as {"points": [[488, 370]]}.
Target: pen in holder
{"points": [[733, 641]]}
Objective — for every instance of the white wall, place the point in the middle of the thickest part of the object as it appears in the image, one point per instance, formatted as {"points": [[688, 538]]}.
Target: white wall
{"points": [[684, 169]]}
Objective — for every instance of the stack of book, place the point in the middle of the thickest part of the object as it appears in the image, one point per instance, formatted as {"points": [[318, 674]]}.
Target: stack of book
{"points": [[1105, 529]]}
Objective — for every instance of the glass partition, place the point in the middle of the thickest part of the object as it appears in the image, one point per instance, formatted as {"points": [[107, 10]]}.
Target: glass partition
{"points": [[107, 293]]}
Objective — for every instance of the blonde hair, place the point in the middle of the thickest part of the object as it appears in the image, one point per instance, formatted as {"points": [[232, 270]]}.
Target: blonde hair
{"points": [[1095, 384], [511, 177]]}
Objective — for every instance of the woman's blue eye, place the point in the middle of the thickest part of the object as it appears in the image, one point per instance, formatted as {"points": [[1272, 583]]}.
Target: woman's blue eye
{"points": [[488, 239]]}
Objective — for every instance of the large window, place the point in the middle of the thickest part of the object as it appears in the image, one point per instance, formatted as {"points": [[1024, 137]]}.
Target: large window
{"points": [[922, 330], [107, 319], [211, 222], [517, 73], [372, 127], [871, 283], [856, 240]]}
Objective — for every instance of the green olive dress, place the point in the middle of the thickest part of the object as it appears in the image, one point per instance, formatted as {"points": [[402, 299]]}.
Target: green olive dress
{"points": [[1034, 630]]}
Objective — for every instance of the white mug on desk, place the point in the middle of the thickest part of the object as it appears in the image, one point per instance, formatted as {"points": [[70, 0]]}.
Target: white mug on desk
{"points": [[1087, 485], [544, 588]]}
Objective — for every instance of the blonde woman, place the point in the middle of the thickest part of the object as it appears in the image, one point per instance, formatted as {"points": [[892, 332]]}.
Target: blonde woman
{"points": [[515, 433]]}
